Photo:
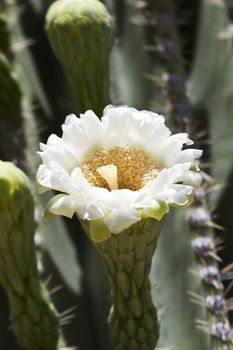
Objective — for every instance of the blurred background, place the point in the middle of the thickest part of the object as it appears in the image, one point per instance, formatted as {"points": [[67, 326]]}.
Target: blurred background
{"points": [[173, 57]]}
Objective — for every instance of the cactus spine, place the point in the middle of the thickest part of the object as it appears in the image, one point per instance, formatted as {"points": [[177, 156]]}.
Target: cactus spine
{"points": [[34, 319], [81, 35]]}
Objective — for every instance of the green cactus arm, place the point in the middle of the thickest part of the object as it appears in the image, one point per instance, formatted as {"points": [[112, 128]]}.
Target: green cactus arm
{"points": [[33, 316], [127, 257], [81, 35]]}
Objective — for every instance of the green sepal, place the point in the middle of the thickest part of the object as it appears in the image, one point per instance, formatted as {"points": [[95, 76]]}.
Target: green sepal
{"points": [[41, 189], [157, 212], [186, 204], [99, 231]]}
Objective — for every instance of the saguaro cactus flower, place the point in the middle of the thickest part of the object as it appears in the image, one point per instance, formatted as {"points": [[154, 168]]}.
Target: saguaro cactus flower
{"points": [[120, 175]]}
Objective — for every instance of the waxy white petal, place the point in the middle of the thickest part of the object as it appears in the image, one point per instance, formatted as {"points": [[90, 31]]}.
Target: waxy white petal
{"points": [[120, 219], [115, 210]]}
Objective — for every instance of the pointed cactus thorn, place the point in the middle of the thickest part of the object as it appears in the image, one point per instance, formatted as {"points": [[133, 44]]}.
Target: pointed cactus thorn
{"points": [[222, 331], [211, 276], [202, 246], [34, 319], [81, 35]]}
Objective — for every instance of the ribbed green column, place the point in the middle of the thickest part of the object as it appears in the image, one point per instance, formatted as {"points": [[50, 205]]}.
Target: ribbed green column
{"points": [[127, 257], [34, 319], [81, 35]]}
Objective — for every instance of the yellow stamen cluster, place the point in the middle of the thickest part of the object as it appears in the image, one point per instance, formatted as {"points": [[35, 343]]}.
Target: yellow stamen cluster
{"points": [[133, 168]]}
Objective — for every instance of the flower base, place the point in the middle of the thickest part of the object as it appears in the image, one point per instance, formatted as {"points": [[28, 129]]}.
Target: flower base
{"points": [[127, 257]]}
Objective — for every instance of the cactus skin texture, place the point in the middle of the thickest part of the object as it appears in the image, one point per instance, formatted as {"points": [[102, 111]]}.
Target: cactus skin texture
{"points": [[10, 95], [81, 35], [34, 319], [127, 257]]}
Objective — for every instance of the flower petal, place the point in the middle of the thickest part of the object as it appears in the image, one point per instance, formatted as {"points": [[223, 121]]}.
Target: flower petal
{"points": [[57, 151], [177, 194], [171, 148], [60, 204], [120, 219], [90, 211], [92, 127], [122, 125], [55, 177], [188, 155], [166, 177], [75, 136]]}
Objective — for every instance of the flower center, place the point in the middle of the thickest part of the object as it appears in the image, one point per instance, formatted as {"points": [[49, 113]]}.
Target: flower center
{"points": [[119, 167]]}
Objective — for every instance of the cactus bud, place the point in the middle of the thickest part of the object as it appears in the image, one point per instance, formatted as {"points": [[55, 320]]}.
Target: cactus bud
{"points": [[34, 319], [81, 35]]}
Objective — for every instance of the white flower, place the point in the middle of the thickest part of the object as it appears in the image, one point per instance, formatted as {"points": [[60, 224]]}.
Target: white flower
{"points": [[115, 171]]}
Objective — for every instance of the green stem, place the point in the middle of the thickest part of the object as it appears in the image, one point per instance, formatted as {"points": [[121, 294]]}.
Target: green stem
{"points": [[127, 257]]}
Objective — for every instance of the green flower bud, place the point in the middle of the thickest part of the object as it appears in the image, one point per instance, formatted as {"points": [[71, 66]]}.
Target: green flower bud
{"points": [[81, 35], [34, 319]]}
